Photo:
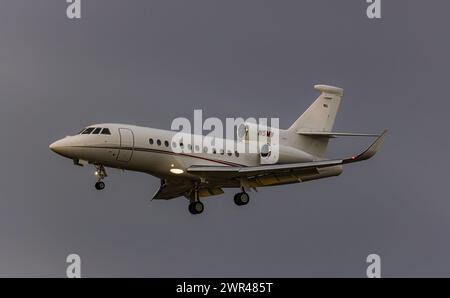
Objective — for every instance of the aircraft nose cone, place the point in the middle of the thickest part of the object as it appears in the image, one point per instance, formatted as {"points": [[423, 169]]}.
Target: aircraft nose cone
{"points": [[56, 146], [64, 147], [53, 146]]}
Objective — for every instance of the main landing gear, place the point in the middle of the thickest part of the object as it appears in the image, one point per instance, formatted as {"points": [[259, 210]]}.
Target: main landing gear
{"points": [[241, 198], [195, 206], [101, 174]]}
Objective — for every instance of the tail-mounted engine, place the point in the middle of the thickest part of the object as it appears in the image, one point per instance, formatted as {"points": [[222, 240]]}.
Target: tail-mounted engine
{"points": [[256, 132], [273, 153]]}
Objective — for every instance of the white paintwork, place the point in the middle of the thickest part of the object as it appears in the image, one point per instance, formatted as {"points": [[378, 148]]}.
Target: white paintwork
{"points": [[301, 154]]}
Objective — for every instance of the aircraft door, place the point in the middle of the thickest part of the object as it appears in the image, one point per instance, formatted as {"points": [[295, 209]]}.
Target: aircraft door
{"points": [[126, 144]]}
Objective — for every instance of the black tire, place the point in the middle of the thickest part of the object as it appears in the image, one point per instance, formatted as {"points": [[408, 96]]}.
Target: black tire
{"points": [[191, 208], [100, 185], [241, 198], [196, 207], [245, 198], [237, 200]]}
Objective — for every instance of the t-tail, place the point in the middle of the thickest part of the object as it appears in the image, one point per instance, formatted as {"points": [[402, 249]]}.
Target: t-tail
{"points": [[314, 127]]}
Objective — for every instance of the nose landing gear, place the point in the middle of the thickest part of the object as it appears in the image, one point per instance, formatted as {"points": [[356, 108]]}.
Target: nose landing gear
{"points": [[101, 174], [99, 185]]}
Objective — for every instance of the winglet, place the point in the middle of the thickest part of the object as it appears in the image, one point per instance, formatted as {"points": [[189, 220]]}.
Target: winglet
{"points": [[369, 152]]}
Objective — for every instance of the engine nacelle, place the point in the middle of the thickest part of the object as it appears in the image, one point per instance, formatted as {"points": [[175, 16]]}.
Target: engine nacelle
{"points": [[253, 132], [272, 154]]}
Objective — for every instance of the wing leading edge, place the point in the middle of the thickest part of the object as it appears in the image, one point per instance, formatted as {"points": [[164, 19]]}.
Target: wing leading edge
{"points": [[335, 134]]}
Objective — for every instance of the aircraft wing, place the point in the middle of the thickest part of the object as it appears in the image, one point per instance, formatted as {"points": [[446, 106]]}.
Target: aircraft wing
{"points": [[335, 134], [238, 172], [369, 152], [170, 189]]}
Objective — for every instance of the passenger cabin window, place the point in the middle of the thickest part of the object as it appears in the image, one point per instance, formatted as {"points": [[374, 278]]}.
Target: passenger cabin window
{"points": [[96, 131], [150, 141], [106, 131], [88, 131], [158, 142], [166, 143]]}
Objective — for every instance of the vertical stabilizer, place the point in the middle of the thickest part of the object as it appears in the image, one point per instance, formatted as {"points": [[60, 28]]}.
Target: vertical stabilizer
{"points": [[319, 117]]}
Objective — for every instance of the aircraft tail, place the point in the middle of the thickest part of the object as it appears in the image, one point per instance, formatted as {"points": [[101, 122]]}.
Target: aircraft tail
{"points": [[319, 117]]}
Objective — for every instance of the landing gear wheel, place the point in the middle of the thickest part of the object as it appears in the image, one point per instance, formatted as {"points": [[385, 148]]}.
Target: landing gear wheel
{"points": [[241, 198], [196, 207], [100, 185], [101, 174]]}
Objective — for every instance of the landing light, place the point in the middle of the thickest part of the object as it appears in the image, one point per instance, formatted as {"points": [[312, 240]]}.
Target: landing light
{"points": [[176, 171]]}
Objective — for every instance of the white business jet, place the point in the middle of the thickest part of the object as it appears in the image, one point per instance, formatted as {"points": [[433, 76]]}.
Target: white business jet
{"points": [[201, 172]]}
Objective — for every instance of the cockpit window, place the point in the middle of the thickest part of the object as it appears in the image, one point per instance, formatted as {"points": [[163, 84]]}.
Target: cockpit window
{"points": [[82, 131], [97, 131], [88, 130], [106, 131]]}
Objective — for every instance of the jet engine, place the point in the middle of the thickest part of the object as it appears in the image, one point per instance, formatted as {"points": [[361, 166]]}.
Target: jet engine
{"points": [[272, 154], [253, 132]]}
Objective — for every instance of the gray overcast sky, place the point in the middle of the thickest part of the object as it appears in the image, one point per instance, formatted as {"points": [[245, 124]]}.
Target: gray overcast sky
{"points": [[147, 62]]}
